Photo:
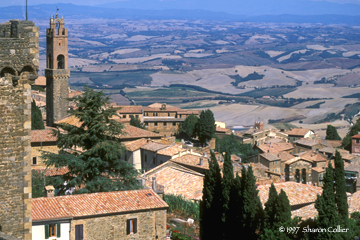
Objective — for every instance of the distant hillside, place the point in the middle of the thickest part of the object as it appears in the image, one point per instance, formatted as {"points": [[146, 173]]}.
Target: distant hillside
{"points": [[72, 11]]}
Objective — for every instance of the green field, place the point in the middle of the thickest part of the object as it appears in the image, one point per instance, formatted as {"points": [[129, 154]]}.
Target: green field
{"points": [[276, 92], [286, 126]]}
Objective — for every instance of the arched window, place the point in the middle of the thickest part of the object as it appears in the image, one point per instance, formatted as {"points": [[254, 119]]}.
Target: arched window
{"points": [[7, 70], [297, 175], [49, 62], [61, 62], [303, 176]]}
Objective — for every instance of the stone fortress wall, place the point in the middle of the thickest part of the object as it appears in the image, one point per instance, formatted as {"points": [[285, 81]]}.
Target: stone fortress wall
{"points": [[19, 64]]}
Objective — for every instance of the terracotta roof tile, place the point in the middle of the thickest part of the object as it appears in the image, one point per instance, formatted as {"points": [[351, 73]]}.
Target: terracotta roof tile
{"points": [[275, 147], [45, 135], [154, 146], [332, 143], [177, 180], [307, 142], [312, 156], [270, 156], [83, 205], [306, 212], [318, 169], [171, 150], [135, 145], [296, 192], [285, 156], [356, 136], [40, 81], [192, 160], [354, 202], [128, 109], [298, 132]]}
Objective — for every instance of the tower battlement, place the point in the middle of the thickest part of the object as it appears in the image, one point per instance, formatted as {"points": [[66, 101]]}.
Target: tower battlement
{"points": [[19, 64]]}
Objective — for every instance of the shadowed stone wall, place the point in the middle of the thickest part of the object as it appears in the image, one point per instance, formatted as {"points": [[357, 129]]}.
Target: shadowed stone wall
{"points": [[19, 61]]}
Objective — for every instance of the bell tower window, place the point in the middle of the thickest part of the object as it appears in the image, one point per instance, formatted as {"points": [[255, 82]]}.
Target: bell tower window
{"points": [[61, 62]]}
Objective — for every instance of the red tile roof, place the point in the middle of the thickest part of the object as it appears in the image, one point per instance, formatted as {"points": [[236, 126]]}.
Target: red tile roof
{"points": [[296, 192], [298, 132], [40, 81], [83, 205], [356, 136], [312, 156], [129, 109], [275, 147], [45, 135], [135, 145]]}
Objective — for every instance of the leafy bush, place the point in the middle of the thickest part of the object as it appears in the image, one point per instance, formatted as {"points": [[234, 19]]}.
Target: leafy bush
{"points": [[180, 205]]}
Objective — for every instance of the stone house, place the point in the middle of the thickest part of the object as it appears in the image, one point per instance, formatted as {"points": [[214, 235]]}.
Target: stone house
{"points": [[132, 152], [298, 170], [125, 113], [272, 161], [256, 136], [317, 175], [355, 144], [135, 214], [317, 159], [276, 147], [306, 144], [42, 140], [298, 133], [164, 119]]}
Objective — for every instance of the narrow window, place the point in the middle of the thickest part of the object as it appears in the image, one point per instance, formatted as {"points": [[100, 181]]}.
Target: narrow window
{"points": [[79, 232], [155, 124], [61, 62], [124, 116], [131, 226], [34, 162], [174, 123]]}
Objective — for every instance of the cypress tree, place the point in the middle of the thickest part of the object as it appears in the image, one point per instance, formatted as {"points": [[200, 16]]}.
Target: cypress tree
{"points": [[210, 206], [282, 209], [331, 133], [36, 117], [252, 211], [234, 218], [270, 207], [340, 193], [227, 182], [326, 206], [205, 127]]}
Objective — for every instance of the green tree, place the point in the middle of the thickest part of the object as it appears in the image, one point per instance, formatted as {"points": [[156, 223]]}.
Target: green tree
{"points": [[283, 209], [38, 184], [340, 193], [205, 127], [188, 127], [136, 122], [227, 182], [210, 206], [36, 117], [346, 143], [97, 168], [355, 225], [252, 211], [234, 217], [326, 206], [331, 133], [270, 208]]}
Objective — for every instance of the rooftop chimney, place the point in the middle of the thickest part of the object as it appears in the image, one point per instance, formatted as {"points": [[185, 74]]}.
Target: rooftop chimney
{"points": [[154, 183], [50, 191]]}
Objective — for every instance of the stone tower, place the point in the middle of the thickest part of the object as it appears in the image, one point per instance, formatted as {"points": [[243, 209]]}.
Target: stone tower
{"points": [[19, 64], [57, 73]]}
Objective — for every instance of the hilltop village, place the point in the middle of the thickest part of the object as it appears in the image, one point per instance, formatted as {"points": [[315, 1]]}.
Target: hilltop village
{"points": [[167, 163]]}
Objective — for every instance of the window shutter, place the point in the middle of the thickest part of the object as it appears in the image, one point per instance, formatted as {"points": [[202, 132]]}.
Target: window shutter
{"points": [[128, 226], [46, 231], [135, 225], [81, 232], [58, 231]]}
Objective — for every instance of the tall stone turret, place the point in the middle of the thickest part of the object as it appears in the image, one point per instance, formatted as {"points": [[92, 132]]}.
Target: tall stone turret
{"points": [[57, 73], [19, 64]]}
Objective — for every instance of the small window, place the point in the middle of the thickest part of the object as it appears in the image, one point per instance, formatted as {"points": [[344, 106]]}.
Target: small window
{"points": [[168, 114], [124, 116], [34, 161], [174, 123], [131, 226], [136, 116], [155, 124], [52, 230], [164, 124], [79, 229]]}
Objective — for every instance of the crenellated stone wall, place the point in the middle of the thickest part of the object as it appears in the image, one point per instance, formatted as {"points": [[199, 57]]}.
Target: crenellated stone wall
{"points": [[19, 63]]}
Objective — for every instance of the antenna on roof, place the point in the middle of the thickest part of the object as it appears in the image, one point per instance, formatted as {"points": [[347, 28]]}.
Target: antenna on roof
{"points": [[26, 12]]}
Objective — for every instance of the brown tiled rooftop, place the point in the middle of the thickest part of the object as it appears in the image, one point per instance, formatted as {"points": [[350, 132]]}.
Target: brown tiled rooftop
{"points": [[332, 143], [306, 212], [298, 132], [296, 192], [156, 107], [295, 159], [128, 109], [270, 156], [135, 145], [44, 135], [192, 160], [177, 180], [153, 146], [50, 172], [40, 81], [318, 169], [285, 156], [275, 147], [83, 205], [312, 156], [307, 142], [356, 136], [171, 150], [354, 202]]}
